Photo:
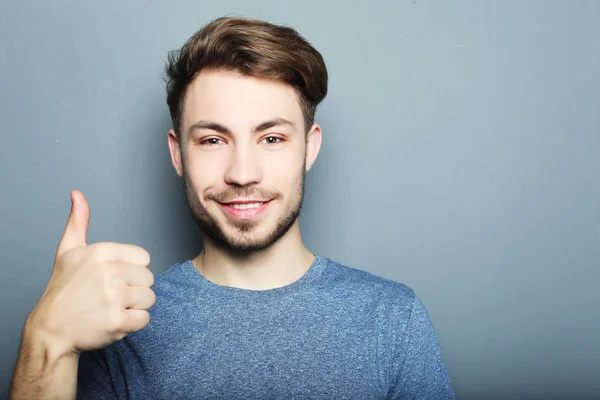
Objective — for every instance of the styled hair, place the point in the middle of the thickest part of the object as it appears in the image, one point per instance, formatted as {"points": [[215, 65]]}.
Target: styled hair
{"points": [[253, 48]]}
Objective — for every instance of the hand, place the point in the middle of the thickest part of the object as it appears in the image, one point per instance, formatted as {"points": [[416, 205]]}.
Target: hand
{"points": [[97, 293]]}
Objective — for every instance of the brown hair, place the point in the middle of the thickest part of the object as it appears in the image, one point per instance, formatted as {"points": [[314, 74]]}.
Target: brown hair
{"points": [[253, 48]]}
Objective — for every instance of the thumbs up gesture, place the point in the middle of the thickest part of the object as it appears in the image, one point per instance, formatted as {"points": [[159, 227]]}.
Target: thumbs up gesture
{"points": [[97, 293]]}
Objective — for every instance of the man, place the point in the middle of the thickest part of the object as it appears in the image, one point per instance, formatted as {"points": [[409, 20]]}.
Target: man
{"points": [[255, 315]]}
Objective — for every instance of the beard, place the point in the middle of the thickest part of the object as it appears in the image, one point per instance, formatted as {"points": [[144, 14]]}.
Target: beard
{"points": [[245, 239]]}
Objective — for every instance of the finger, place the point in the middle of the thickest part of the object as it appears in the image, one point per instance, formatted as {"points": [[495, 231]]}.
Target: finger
{"points": [[136, 275], [122, 252], [135, 320], [139, 298], [77, 225]]}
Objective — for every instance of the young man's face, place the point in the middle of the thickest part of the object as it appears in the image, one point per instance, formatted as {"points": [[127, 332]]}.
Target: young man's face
{"points": [[243, 154]]}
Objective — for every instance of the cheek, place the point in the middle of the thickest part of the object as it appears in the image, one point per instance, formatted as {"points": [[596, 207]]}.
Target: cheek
{"points": [[204, 171], [287, 164], [284, 173]]}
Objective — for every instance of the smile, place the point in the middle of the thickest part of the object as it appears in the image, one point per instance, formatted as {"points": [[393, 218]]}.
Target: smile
{"points": [[245, 210], [246, 206]]}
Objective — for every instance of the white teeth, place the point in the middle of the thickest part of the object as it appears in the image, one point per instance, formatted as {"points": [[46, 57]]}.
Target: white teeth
{"points": [[246, 206]]}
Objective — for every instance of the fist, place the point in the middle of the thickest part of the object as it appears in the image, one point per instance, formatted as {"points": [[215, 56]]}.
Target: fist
{"points": [[97, 293]]}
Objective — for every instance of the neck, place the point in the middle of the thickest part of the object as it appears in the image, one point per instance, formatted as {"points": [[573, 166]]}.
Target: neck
{"points": [[284, 262]]}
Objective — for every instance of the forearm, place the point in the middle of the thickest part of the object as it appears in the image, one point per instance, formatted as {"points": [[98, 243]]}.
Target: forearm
{"points": [[43, 371]]}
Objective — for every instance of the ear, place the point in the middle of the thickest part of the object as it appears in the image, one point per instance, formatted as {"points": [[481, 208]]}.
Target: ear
{"points": [[313, 145], [175, 150]]}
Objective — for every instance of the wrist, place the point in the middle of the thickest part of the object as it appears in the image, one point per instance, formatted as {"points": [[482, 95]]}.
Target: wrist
{"points": [[37, 337]]}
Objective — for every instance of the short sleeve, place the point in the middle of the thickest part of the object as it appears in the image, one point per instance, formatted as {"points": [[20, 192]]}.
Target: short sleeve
{"points": [[93, 377], [418, 369]]}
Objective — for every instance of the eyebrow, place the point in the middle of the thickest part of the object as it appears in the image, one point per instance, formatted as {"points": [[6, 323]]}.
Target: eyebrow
{"points": [[263, 126]]}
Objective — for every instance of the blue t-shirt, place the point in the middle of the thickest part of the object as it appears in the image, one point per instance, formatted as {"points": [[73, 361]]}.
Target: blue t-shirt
{"points": [[335, 333]]}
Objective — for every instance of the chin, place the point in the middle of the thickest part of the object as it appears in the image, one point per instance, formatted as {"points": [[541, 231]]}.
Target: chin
{"points": [[252, 245], [239, 236], [253, 237]]}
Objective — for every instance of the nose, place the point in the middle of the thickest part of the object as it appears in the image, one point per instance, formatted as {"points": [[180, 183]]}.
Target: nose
{"points": [[244, 167]]}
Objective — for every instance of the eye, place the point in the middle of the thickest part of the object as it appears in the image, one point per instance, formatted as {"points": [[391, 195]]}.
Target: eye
{"points": [[210, 141], [273, 139]]}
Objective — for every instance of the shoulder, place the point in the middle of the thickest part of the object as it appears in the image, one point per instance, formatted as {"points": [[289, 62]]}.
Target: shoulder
{"points": [[177, 277], [361, 284]]}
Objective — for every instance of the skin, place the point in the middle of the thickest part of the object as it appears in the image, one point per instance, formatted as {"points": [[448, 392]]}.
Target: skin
{"points": [[98, 293], [226, 152]]}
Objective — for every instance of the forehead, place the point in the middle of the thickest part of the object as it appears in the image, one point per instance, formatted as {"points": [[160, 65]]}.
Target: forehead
{"points": [[238, 101]]}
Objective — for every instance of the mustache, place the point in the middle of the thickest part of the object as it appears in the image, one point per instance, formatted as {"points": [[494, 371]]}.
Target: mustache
{"points": [[247, 192]]}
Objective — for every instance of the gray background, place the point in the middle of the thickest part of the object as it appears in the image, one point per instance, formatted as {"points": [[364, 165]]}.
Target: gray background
{"points": [[460, 156]]}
